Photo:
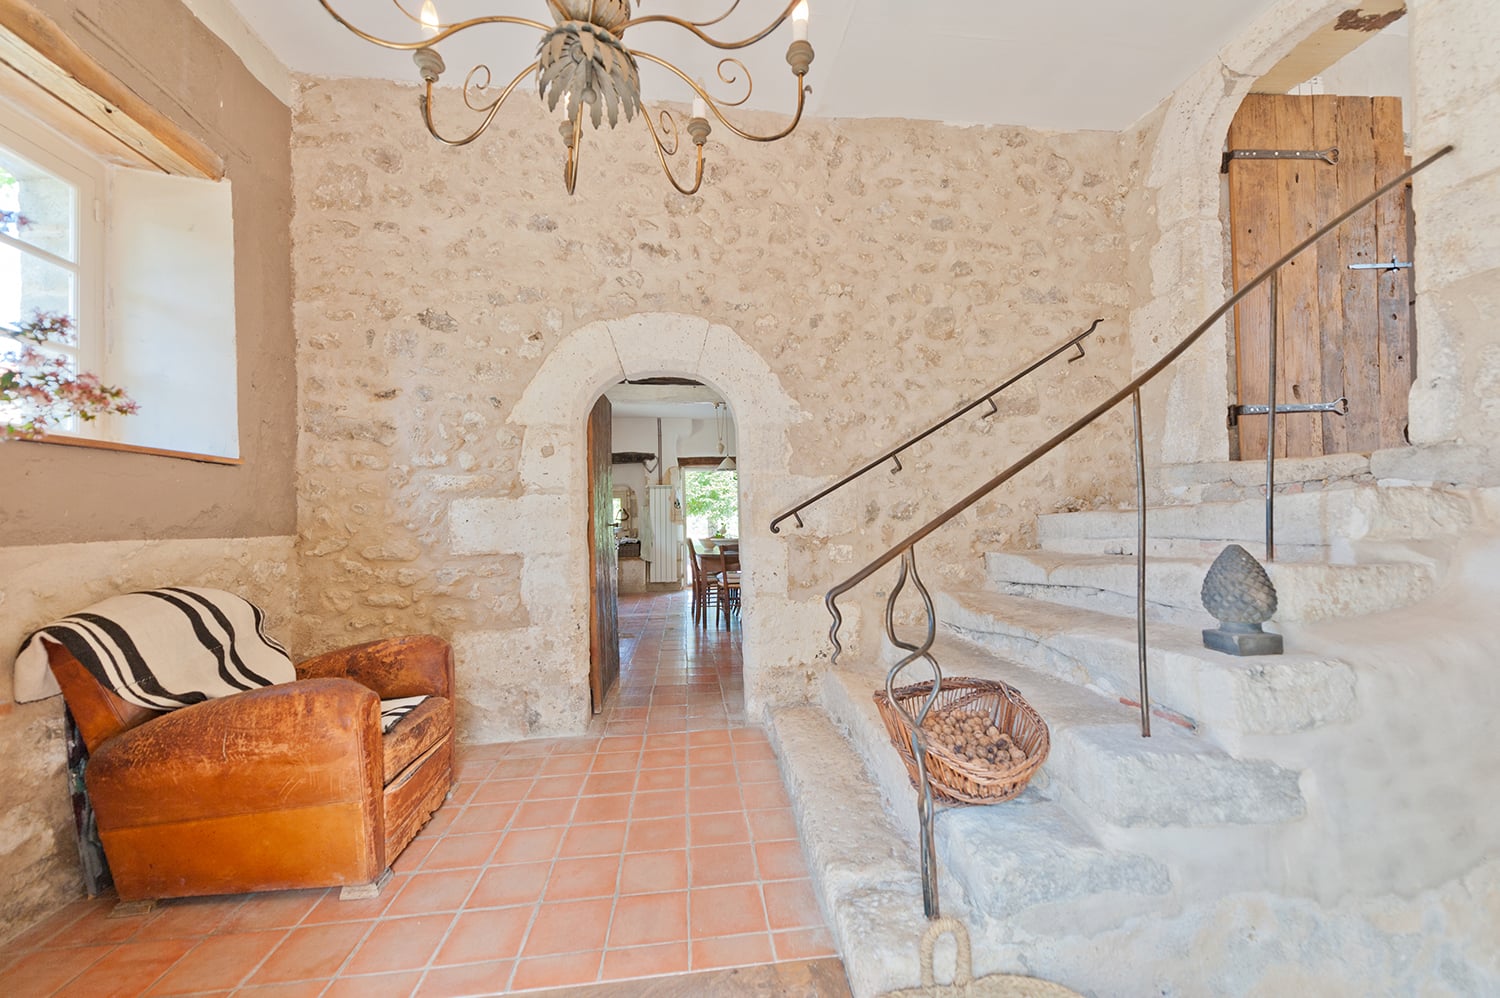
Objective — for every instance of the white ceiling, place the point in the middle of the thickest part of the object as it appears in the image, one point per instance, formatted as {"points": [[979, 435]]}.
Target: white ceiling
{"points": [[1084, 64], [663, 401]]}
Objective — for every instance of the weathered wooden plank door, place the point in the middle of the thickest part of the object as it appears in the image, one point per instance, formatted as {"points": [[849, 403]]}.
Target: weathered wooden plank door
{"points": [[1341, 332], [604, 619]]}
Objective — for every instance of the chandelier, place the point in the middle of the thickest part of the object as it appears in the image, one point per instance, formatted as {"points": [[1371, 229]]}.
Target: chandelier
{"points": [[583, 64]]}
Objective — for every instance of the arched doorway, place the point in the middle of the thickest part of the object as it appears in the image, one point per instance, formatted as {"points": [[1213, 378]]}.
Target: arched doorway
{"points": [[777, 639]]}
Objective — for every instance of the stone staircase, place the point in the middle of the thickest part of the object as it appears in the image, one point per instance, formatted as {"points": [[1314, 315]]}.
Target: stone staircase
{"points": [[1115, 830]]}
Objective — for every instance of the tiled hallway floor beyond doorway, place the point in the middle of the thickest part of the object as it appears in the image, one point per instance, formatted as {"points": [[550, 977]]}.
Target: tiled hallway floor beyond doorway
{"points": [[663, 843]]}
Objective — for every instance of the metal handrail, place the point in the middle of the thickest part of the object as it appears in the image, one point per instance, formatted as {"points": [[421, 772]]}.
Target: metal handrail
{"points": [[906, 549], [894, 454]]}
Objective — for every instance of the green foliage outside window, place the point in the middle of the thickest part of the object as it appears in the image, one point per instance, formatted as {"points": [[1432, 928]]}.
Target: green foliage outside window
{"points": [[712, 501]]}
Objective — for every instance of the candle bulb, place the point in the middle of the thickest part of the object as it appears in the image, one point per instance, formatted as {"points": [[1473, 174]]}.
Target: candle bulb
{"points": [[430, 22], [700, 109], [799, 22]]}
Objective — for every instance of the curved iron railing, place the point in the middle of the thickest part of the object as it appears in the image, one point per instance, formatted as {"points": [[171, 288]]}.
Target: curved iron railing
{"points": [[894, 454], [906, 549]]}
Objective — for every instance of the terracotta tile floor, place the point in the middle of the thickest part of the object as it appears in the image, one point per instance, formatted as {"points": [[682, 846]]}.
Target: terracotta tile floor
{"points": [[660, 844]]}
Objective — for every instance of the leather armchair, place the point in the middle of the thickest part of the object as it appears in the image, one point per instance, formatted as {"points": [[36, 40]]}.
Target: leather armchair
{"points": [[286, 786]]}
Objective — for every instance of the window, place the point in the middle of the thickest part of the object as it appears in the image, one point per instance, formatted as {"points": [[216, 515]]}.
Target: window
{"points": [[143, 262], [712, 502], [50, 243]]}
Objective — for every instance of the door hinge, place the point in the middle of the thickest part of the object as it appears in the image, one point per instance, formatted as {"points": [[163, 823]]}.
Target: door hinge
{"points": [[1329, 155]]}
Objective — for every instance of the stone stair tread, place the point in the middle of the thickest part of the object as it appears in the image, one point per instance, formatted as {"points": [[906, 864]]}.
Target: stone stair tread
{"points": [[1228, 695], [1172, 778], [1307, 590]]}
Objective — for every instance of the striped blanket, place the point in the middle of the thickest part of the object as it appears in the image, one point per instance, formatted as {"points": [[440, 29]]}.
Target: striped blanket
{"points": [[168, 648]]}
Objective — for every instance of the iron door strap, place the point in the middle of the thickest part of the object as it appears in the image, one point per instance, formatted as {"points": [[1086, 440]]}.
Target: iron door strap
{"points": [[1339, 407], [1329, 155], [1394, 264]]}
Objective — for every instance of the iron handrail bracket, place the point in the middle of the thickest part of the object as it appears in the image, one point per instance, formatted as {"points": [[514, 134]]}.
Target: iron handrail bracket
{"points": [[894, 454], [906, 549]]}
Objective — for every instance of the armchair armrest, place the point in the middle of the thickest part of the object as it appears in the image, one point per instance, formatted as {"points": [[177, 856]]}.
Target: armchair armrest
{"points": [[408, 666], [276, 748]]}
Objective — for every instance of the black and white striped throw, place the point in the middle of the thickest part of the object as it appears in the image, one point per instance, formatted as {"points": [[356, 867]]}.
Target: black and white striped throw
{"points": [[161, 649]]}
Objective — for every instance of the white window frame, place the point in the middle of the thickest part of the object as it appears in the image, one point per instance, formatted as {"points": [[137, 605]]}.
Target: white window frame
{"points": [[26, 139]]}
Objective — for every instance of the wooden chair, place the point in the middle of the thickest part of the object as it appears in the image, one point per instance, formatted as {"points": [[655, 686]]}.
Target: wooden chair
{"points": [[724, 580], [702, 592]]}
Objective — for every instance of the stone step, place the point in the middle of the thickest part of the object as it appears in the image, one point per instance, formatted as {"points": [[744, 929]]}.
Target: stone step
{"points": [[864, 869], [1220, 481], [1099, 761], [1227, 697], [1009, 859], [1329, 525], [1305, 591]]}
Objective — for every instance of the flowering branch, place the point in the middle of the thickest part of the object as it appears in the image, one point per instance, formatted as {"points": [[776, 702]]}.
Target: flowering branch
{"points": [[37, 390]]}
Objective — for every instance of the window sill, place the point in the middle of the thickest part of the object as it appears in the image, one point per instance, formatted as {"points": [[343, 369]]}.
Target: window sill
{"points": [[127, 448]]}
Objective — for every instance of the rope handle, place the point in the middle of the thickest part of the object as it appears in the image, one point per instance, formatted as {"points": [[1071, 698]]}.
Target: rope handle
{"points": [[963, 961]]}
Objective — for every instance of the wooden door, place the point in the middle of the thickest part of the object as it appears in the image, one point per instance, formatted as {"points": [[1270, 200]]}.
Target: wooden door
{"points": [[1342, 333], [604, 619]]}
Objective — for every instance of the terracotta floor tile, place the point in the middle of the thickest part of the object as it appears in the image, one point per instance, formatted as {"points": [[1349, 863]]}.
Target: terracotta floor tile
{"points": [[648, 872], [500, 792], [672, 778], [601, 784], [713, 866], [597, 839], [485, 936], [528, 845], [773, 824], [454, 852], [377, 986], [659, 804], [556, 971], [717, 829], [425, 893], [40, 933], [569, 927], [644, 919], [613, 807], [518, 768], [631, 743], [278, 910], [732, 951], [584, 877], [218, 962], [710, 755], [758, 771], [500, 886], [312, 951], [44, 971], [725, 911], [543, 813], [566, 765], [791, 904], [188, 918], [670, 740], [97, 928], [718, 736], [466, 980], [482, 818], [656, 835], [415, 854], [330, 909], [644, 961], [707, 800], [803, 944], [399, 944], [780, 860], [615, 762], [472, 770], [663, 758], [566, 785], [127, 970], [765, 795], [722, 774]]}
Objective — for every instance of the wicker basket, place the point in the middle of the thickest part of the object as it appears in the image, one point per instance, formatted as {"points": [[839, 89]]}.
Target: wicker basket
{"points": [[959, 780]]}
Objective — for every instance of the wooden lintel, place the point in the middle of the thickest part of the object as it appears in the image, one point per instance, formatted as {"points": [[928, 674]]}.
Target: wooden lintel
{"points": [[35, 48]]}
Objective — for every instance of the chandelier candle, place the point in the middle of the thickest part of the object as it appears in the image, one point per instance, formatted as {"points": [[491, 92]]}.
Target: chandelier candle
{"points": [[584, 64]]}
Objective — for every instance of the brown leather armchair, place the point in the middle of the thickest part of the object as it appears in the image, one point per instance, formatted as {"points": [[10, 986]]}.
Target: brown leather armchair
{"points": [[285, 786]]}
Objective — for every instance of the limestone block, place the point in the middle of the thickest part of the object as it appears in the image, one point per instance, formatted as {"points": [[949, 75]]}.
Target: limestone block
{"points": [[655, 344], [530, 524], [1028, 852], [509, 686], [1170, 779]]}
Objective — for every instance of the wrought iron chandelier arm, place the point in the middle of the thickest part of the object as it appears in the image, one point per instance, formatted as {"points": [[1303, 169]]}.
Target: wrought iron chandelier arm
{"points": [[490, 109], [714, 105], [442, 33], [663, 150], [696, 27]]}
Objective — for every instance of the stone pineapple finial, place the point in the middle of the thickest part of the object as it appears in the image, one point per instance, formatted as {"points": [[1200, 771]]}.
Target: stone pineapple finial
{"points": [[1241, 596]]}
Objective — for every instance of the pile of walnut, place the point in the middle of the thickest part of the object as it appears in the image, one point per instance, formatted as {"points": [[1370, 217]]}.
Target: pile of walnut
{"points": [[972, 737]]}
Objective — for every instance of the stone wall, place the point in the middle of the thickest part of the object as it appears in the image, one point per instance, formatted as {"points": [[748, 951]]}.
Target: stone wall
{"points": [[457, 313], [38, 847]]}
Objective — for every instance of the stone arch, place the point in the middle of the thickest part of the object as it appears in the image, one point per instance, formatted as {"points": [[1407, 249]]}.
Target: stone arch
{"points": [[551, 415], [1183, 188]]}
